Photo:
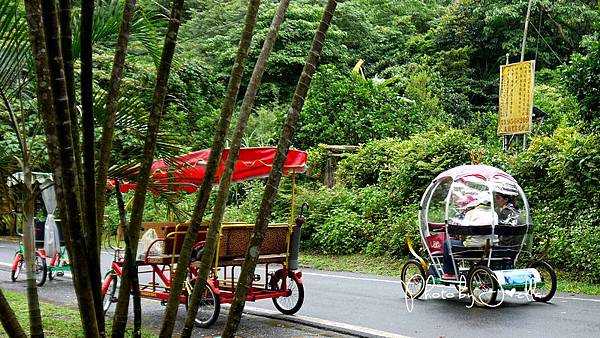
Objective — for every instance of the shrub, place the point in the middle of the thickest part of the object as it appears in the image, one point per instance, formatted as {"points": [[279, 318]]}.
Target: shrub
{"points": [[575, 248], [405, 168], [343, 233], [365, 167], [390, 238], [563, 167], [322, 203], [560, 174]]}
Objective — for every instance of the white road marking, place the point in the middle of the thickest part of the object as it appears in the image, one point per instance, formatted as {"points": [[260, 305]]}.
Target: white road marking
{"points": [[327, 323], [353, 278], [576, 298]]}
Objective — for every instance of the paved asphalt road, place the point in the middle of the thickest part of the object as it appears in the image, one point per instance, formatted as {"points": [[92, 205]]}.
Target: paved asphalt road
{"points": [[368, 305]]}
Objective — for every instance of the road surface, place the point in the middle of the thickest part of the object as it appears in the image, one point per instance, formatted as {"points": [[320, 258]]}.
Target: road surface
{"points": [[366, 305]]}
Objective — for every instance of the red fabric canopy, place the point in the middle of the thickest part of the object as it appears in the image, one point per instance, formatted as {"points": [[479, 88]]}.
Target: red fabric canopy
{"points": [[187, 173]]}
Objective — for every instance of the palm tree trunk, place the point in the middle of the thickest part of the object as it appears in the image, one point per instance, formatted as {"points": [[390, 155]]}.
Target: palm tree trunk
{"points": [[135, 289], [88, 178], [287, 133], [66, 46], [66, 176], [37, 41], [9, 320], [35, 317], [225, 184], [160, 92], [87, 197], [218, 144], [112, 96]]}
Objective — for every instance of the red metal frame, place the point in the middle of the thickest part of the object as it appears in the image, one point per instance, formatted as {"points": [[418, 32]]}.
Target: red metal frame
{"points": [[224, 287]]}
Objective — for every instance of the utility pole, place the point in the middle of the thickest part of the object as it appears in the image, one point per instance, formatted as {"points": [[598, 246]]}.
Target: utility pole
{"points": [[523, 45]]}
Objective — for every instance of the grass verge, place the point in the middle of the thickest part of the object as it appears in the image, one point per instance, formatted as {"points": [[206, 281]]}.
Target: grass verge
{"points": [[387, 266], [58, 321]]}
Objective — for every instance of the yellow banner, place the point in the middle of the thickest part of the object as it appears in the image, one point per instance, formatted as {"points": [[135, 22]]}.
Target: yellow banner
{"points": [[516, 98]]}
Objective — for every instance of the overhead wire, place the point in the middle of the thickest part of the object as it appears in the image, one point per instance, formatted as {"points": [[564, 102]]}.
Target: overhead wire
{"points": [[547, 44]]}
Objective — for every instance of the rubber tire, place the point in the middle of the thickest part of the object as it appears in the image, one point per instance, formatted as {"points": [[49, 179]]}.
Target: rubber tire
{"points": [[51, 272], [495, 285], [544, 265], [403, 276], [278, 302], [111, 291], [44, 269], [14, 274], [215, 314]]}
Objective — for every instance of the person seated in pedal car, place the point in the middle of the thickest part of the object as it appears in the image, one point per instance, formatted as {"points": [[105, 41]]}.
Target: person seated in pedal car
{"points": [[505, 201], [480, 214]]}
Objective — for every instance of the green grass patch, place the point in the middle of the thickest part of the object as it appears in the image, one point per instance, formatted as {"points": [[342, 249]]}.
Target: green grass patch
{"points": [[380, 265], [58, 320], [15, 239], [566, 283], [387, 266]]}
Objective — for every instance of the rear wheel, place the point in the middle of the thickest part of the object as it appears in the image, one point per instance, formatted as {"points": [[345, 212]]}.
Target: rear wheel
{"points": [[413, 279], [483, 285], [290, 304], [546, 292], [14, 274], [209, 308], [41, 270]]}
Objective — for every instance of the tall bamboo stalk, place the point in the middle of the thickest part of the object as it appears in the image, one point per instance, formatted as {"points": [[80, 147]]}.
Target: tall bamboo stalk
{"points": [[160, 92], [218, 144], [262, 221], [225, 184]]}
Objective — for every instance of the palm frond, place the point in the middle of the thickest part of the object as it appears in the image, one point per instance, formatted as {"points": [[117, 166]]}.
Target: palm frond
{"points": [[132, 121], [14, 45], [107, 23]]}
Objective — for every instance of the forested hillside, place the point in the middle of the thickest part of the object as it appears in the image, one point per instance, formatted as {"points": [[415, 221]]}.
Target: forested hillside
{"points": [[424, 100]]}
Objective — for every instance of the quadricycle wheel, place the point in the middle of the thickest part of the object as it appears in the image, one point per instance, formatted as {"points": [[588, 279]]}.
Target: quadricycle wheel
{"points": [[483, 285], [109, 296], [209, 308], [414, 279], [545, 292], [14, 274], [295, 290]]}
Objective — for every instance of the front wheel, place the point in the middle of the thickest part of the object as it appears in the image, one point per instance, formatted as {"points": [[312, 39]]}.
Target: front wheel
{"points": [[290, 304], [413, 278], [51, 273], [483, 285], [109, 289], [14, 274], [209, 308], [545, 292], [41, 269]]}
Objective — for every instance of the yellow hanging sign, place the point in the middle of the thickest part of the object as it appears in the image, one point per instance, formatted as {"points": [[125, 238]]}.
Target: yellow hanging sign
{"points": [[516, 98]]}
